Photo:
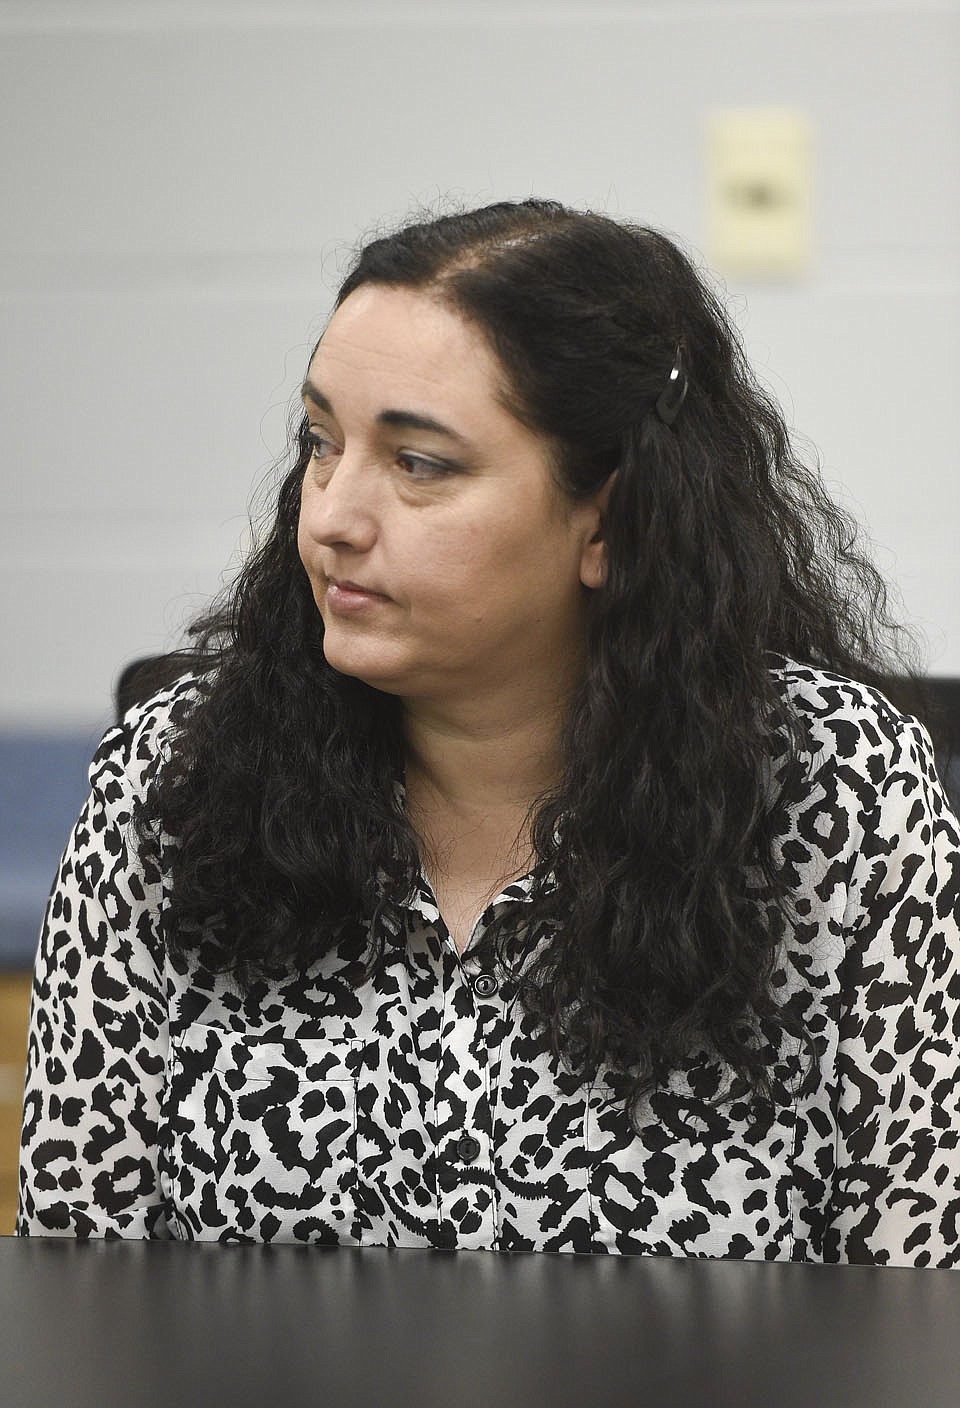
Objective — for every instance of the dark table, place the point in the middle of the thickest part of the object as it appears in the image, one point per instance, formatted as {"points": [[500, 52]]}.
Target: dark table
{"points": [[165, 1325]]}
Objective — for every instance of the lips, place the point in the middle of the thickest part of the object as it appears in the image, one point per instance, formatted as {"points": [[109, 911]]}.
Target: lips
{"points": [[345, 586], [346, 598]]}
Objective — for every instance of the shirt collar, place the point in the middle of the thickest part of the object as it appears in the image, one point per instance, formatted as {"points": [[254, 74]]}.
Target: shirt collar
{"points": [[422, 901]]}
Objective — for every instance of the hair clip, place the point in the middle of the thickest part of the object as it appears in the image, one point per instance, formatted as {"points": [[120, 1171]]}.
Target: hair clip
{"points": [[673, 395]]}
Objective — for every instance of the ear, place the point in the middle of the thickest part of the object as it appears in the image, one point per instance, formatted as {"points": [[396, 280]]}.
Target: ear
{"points": [[593, 559]]}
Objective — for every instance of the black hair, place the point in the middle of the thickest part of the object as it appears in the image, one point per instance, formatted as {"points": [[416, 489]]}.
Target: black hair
{"points": [[658, 897]]}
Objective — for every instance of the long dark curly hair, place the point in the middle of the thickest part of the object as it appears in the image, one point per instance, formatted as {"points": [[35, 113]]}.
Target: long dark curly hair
{"points": [[658, 902]]}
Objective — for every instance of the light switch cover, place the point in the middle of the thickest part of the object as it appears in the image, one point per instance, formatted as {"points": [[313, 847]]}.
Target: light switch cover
{"points": [[760, 171]]}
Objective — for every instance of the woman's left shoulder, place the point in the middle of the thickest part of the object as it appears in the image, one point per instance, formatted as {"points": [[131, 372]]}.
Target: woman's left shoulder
{"points": [[869, 831], [848, 722]]}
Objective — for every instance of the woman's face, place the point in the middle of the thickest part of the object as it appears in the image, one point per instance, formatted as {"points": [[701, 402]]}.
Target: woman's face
{"points": [[443, 557]]}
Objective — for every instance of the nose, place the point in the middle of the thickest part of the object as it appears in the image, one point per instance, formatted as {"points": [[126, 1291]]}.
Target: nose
{"points": [[340, 510]]}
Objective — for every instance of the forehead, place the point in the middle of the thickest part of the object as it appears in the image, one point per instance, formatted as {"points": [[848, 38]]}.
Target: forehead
{"points": [[404, 346]]}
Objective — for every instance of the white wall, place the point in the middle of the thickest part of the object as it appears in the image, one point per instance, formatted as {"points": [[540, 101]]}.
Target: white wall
{"points": [[181, 181]]}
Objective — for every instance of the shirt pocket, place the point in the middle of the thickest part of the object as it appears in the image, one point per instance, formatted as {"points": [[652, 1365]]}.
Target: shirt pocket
{"points": [[259, 1137], [701, 1175]]}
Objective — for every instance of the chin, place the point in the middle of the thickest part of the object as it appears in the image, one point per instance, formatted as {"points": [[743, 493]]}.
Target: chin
{"points": [[360, 665]]}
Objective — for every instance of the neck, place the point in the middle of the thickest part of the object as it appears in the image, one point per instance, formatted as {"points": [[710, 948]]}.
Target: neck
{"points": [[476, 760], [471, 778], [485, 758]]}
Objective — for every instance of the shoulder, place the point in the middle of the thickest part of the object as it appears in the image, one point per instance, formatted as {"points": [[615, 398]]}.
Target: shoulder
{"points": [[847, 723], [871, 791], [868, 834], [131, 751]]}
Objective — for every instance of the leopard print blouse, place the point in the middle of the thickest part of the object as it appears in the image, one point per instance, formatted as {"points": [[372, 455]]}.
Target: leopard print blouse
{"points": [[421, 1109]]}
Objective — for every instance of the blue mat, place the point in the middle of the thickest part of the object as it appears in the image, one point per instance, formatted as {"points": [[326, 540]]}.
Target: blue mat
{"points": [[43, 785]]}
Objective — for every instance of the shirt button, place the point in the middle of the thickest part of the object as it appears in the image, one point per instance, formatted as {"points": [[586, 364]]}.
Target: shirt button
{"points": [[485, 985], [467, 1148]]}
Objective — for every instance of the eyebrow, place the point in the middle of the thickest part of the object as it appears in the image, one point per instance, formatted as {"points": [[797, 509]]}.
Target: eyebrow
{"points": [[402, 420]]}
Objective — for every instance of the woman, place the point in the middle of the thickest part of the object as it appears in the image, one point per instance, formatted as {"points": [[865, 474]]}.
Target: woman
{"points": [[519, 865]]}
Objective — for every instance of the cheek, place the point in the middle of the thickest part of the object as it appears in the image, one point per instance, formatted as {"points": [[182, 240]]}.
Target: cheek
{"points": [[303, 542], [458, 575], [492, 579]]}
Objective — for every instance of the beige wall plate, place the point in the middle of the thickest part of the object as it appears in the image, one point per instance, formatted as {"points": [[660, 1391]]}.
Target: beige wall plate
{"points": [[759, 175]]}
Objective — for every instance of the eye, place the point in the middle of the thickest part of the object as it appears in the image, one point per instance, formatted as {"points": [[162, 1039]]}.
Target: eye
{"points": [[319, 446], [418, 467]]}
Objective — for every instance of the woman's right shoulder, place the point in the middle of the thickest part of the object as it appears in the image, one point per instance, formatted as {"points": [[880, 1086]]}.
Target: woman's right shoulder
{"points": [[131, 750]]}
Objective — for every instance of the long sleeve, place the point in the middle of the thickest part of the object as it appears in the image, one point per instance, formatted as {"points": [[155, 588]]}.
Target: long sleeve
{"points": [[98, 1028], [897, 1189]]}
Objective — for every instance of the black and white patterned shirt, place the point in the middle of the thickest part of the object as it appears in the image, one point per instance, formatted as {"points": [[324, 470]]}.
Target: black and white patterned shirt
{"points": [[423, 1109]]}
